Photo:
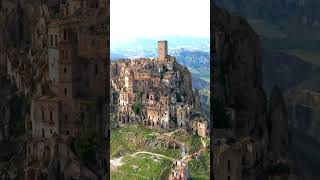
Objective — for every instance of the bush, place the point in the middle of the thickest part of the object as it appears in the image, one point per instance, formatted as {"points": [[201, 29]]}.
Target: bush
{"points": [[137, 104], [197, 114], [137, 108], [179, 97]]}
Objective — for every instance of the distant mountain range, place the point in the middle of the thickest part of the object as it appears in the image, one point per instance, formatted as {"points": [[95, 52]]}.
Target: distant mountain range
{"points": [[147, 47], [290, 35], [190, 52], [291, 21], [284, 71], [302, 11]]}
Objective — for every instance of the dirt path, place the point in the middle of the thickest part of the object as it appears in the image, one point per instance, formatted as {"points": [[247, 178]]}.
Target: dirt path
{"points": [[153, 154], [117, 161]]}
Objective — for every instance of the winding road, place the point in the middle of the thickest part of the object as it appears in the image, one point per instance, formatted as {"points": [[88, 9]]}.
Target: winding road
{"points": [[153, 154], [117, 162]]}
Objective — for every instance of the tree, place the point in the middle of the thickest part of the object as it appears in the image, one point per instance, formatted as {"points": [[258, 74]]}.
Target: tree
{"points": [[137, 103], [178, 96]]}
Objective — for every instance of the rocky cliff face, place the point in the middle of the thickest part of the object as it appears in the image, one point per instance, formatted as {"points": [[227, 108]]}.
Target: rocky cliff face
{"points": [[278, 125], [240, 70], [185, 85], [238, 83], [284, 71], [304, 112]]}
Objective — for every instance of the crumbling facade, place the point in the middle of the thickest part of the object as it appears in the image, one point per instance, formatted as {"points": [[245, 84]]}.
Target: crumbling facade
{"points": [[156, 93], [77, 44], [179, 171]]}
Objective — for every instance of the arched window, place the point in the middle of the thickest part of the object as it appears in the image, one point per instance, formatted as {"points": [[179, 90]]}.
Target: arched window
{"points": [[65, 91]]}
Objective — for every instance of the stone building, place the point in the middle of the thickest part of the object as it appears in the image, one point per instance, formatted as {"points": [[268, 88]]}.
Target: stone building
{"points": [[200, 126], [238, 160], [180, 171], [155, 92], [53, 54], [162, 50], [77, 45], [81, 82]]}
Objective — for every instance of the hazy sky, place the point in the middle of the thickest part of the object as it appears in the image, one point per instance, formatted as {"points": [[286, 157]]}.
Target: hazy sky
{"points": [[153, 18]]}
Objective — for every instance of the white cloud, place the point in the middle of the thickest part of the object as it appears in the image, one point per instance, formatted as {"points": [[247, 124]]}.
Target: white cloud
{"points": [[153, 18]]}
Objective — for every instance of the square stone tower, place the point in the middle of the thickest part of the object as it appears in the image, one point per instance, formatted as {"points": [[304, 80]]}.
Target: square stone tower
{"points": [[162, 50]]}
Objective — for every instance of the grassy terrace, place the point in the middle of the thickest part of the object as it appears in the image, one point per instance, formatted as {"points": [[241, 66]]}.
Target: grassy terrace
{"points": [[130, 139], [199, 169], [192, 142], [142, 167]]}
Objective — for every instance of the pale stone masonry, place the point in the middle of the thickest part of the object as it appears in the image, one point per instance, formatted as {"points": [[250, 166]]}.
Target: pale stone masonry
{"points": [[156, 93], [76, 41]]}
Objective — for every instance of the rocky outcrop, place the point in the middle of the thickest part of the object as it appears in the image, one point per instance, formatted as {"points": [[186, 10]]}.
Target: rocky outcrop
{"points": [[239, 70], [239, 98], [197, 102], [304, 111], [186, 80], [278, 125]]}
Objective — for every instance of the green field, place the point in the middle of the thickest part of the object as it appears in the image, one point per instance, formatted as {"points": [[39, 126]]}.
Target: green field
{"points": [[134, 138], [199, 169], [142, 167], [192, 142]]}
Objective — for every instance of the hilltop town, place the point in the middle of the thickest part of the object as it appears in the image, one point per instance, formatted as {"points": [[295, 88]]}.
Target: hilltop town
{"points": [[156, 93], [53, 68]]}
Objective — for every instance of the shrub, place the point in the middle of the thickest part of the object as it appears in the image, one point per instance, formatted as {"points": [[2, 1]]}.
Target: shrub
{"points": [[179, 97], [137, 104]]}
